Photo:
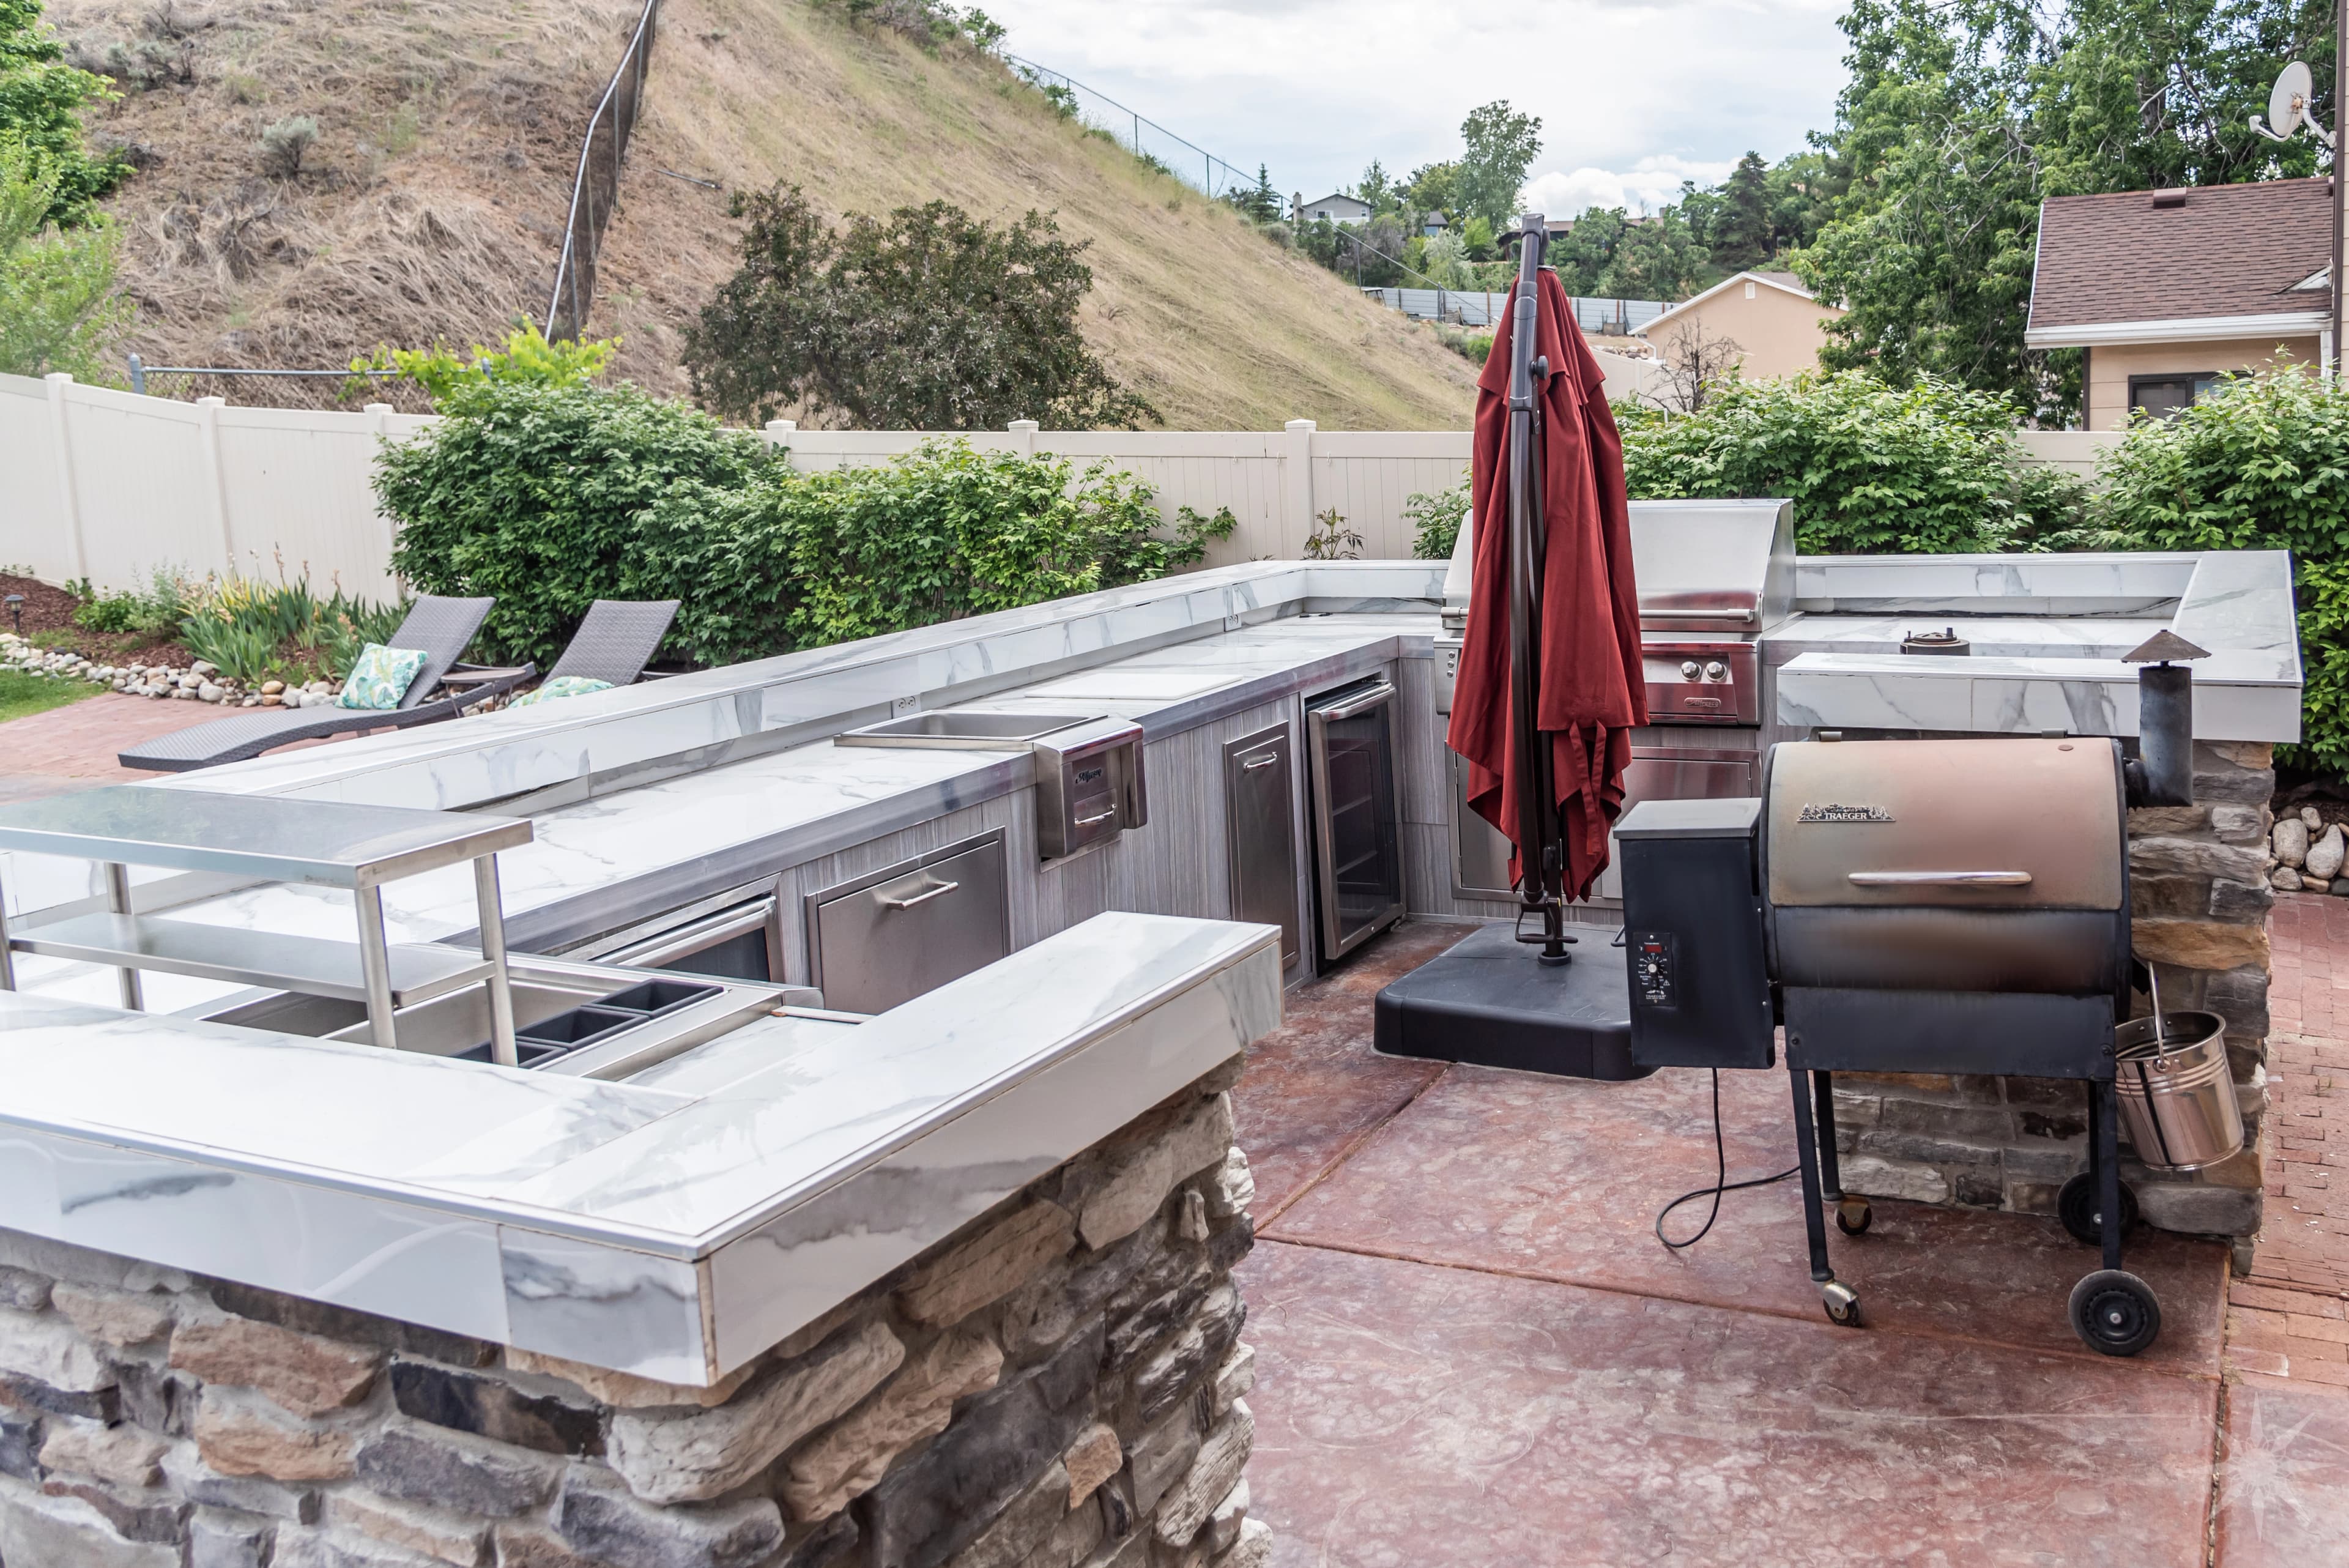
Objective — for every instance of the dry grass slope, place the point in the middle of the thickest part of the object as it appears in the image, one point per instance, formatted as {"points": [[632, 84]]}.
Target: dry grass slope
{"points": [[433, 206]]}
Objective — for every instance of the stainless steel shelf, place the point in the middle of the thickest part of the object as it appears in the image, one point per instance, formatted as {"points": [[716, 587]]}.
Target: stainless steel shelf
{"points": [[314, 965], [325, 843]]}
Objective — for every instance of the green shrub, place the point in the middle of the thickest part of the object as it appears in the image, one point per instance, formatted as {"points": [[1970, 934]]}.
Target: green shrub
{"points": [[286, 143], [2262, 463], [1436, 521], [153, 611], [527, 358], [258, 631], [1871, 468], [802, 560], [534, 493]]}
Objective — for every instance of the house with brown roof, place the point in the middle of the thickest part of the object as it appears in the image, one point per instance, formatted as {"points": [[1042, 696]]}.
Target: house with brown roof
{"points": [[2167, 290], [1767, 323]]}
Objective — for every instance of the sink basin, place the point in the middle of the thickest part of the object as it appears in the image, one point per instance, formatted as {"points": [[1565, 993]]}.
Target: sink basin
{"points": [[962, 731]]}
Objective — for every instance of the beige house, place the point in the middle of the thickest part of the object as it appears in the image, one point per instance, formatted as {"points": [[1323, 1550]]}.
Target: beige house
{"points": [[2167, 290], [1765, 322]]}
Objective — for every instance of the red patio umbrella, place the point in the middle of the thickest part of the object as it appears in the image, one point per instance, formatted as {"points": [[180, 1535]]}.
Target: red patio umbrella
{"points": [[1553, 634]]}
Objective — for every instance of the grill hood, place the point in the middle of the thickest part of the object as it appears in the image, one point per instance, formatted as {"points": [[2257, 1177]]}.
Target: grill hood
{"points": [[1722, 566]]}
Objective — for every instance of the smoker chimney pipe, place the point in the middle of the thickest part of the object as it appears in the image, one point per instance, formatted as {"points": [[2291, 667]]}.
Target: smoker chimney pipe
{"points": [[2162, 772]]}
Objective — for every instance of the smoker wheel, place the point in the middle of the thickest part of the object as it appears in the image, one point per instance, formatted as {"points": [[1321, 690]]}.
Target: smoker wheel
{"points": [[1853, 1215], [2115, 1312], [1842, 1304], [2076, 1207]]}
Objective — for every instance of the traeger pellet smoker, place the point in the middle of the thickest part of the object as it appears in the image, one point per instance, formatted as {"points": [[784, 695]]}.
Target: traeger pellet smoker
{"points": [[1944, 907]]}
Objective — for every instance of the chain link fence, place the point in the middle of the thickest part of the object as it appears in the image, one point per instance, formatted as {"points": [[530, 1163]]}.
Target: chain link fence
{"points": [[597, 188], [1138, 134]]}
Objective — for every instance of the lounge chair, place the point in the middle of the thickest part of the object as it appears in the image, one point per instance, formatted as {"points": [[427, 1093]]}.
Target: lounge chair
{"points": [[616, 640], [442, 627]]}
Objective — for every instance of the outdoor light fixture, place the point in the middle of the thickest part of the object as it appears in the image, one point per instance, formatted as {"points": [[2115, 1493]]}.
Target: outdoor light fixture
{"points": [[17, 611]]}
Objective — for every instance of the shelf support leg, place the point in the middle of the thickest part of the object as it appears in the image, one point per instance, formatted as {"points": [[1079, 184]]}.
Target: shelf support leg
{"points": [[375, 965], [117, 898], [493, 949], [7, 952]]}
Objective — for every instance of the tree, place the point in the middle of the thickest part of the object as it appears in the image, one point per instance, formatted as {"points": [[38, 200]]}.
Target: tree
{"points": [[1741, 235], [1434, 188], [1693, 364], [1959, 118], [1501, 145], [1260, 202], [40, 105], [57, 306], [932, 320], [1377, 188]]}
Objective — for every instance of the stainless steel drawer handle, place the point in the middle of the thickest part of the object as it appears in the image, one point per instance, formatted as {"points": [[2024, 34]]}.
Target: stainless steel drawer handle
{"points": [[924, 896], [1941, 879], [1098, 818], [1269, 759], [1383, 691]]}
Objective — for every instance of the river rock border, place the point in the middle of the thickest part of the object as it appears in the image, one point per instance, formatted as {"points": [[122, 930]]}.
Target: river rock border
{"points": [[199, 682], [1057, 1384]]}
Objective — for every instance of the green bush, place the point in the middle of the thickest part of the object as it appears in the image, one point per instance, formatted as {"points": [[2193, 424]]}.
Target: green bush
{"points": [[552, 497], [155, 609], [257, 631], [526, 357], [1436, 521], [534, 493], [802, 560], [2262, 463], [1871, 468]]}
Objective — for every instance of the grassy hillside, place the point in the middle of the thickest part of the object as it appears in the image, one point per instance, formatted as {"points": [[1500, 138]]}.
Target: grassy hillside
{"points": [[448, 137]]}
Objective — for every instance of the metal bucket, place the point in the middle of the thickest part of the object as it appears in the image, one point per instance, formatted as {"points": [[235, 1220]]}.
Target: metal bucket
{"points": [[2177, 1098]]}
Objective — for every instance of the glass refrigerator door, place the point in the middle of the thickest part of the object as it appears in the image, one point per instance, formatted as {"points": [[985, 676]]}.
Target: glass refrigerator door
{"points": [[1358, 860]]}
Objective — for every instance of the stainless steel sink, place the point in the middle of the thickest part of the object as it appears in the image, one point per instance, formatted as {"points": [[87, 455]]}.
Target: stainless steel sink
{"points": [[962, 731]]}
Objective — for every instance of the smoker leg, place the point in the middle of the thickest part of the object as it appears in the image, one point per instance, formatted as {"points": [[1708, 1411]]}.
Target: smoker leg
{"points": [[2105, 1141], [1830, 1173], [1842, 1304]]}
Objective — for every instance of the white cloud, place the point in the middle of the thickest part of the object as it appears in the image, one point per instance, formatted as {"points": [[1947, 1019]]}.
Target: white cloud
{"points": [[1634, 95], [1651, 183]]}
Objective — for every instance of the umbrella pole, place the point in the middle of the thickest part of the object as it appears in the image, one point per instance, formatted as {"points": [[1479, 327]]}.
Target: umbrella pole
{"points": [[1541, 857]]}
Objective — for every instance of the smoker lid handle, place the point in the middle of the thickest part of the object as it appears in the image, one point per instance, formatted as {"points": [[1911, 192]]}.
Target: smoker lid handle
{"points": [[1940, 878]]}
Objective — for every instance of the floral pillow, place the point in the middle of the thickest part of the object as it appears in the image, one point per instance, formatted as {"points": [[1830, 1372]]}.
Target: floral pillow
{"points": [[381, 677], [560, 686]]}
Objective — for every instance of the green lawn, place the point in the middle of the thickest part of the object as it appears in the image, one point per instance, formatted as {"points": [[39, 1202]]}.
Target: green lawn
{"points": [[22, 694]]}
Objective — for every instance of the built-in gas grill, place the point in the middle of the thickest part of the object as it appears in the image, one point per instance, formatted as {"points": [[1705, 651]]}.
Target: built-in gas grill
{"points": [[1713, 577]]}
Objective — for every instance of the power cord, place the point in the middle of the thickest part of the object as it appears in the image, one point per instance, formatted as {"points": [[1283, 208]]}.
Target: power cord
{"points": [[1721, 1182]]}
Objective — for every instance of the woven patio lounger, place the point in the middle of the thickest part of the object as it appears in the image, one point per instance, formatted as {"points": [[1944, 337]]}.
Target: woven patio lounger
{"points": [[441, 628], [616, 640]]}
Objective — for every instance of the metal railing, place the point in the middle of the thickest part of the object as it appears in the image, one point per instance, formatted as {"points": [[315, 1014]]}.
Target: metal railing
{"points": [[597, 188], [1178, 156], [182, 378]]}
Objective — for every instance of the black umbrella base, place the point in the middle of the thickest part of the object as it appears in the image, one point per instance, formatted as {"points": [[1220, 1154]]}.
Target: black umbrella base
{"points": [[1491, 1001]]}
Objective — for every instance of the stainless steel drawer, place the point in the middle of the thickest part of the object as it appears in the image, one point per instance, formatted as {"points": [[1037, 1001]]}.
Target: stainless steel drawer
{"points": [[888, 937], [1260, 832]]}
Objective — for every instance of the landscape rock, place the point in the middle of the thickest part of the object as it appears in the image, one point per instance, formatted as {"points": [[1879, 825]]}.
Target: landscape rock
{"points": [[843, 1461], [2310, 817], [2284, 880], [302, 1372], [689, 1455], [2324, 855], [1253, 1550], [2291, 841], [606, 1523], [1224, 1523], [49, 1350]]}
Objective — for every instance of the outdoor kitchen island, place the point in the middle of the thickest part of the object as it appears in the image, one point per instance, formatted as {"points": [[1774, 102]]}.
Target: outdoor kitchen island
{"points": [[958, 1267]]}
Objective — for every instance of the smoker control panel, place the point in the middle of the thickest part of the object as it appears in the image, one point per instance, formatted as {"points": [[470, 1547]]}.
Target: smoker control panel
{"points": [[1655, 968]]}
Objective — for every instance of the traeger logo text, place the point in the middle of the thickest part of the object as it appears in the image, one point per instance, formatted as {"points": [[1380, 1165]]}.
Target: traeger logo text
{"points": [[1844, 813]]}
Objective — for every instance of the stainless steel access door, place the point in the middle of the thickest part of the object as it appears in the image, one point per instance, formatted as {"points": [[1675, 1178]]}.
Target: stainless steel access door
{"points": [[1260, 832], [1357, 854], [890, 936]]}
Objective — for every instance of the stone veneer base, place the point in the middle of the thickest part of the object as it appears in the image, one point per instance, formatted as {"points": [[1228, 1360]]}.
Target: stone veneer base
{"points": [[1057, 1384]]}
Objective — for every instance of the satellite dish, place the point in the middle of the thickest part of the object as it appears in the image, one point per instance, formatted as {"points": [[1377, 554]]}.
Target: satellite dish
{"points": [[2288, 101]]}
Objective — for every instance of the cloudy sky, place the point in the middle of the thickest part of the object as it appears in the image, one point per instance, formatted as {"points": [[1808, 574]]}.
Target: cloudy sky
{"points": [[1634, 96]]}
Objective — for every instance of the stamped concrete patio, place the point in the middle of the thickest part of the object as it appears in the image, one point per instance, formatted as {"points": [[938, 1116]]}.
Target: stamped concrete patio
{"points": [[1472, 1349]]}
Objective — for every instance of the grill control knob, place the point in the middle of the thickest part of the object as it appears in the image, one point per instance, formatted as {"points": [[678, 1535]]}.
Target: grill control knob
{"points": [[1689, 671], [1716, 670]]}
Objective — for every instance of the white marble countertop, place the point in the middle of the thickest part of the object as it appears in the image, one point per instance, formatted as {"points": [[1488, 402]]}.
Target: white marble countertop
{"points": [[669, 1230]]}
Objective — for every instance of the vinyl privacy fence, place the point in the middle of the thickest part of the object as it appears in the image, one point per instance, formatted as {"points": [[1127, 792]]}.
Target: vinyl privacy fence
{"points": [[108, 485]]}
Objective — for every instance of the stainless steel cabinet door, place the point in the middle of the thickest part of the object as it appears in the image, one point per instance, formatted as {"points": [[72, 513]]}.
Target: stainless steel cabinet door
{"points": [[1260, 832], [889, 936]]}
